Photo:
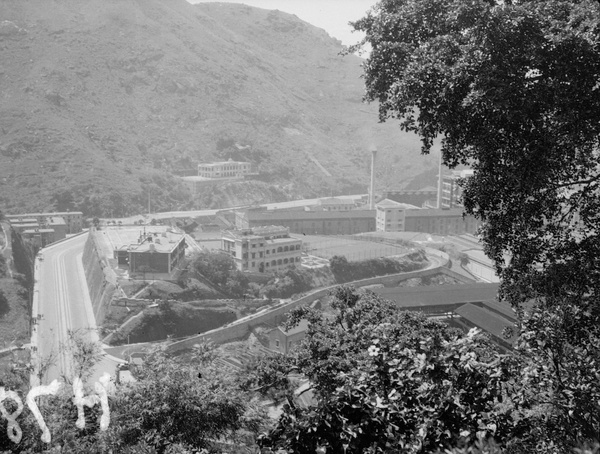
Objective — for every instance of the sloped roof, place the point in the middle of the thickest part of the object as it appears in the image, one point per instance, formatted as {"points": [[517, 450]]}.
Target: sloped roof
{"points": [[439, 294], [485, 319]]}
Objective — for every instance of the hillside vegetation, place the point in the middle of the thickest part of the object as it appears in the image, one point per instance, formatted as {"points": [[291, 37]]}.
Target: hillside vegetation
{"points": [[104, 102]]}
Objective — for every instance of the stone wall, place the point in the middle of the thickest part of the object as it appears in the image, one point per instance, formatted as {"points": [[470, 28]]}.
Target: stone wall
{"points": [[101, 280]]}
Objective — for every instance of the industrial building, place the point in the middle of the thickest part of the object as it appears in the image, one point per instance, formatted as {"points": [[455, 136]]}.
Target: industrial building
{"points": [[328, 222], [42, 231], [73, 219], [262, 249]]}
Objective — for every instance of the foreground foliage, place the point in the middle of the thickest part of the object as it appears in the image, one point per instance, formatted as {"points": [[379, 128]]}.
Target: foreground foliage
{"points": [[512, 90], [174, 407]]}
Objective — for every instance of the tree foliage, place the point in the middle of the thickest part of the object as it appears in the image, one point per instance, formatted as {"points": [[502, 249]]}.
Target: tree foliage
{"points": [[393, 381], [512, 90], [345, 271]]}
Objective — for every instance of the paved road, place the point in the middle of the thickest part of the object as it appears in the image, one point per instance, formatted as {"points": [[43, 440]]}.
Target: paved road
{"points": [[64, 304]]}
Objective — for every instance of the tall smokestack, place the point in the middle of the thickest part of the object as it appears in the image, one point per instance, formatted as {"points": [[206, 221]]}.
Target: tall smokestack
{"points": [[373, 150]]}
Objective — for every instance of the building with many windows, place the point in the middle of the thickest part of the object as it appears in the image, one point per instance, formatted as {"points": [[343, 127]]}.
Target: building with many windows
{"points": [[153, 253], [262, 249], [451, 191], [390, 216], [224, 169], [417, 197], [42, 231], [73, 219], [344, 222], [333, 204], [401, 217]]}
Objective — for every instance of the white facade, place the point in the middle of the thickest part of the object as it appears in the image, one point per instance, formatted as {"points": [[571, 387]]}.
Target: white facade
{"points": [[224, 169], [262, 249], [391, 216]]}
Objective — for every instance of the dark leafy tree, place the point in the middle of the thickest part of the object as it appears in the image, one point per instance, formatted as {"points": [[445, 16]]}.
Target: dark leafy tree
{"points": [[512, 90], [392, 381]]}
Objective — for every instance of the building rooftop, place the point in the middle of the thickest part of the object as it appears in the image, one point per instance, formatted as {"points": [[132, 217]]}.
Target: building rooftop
{"points": [[166, 242], [435, 212], [300, 328], [485, 319], [439, 294], [220, 163], [387, 203], [285, 215], [336, 201], [58, 213]]}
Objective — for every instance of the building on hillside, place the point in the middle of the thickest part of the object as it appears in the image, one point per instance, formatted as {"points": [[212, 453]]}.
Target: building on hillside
{"points": [[282, 341], [390, 215], [309, 222], [42, 231], [153, 253], [417, 198], [73, 219], [262, 249], [451, 191], [333, 204], [224, 169]]}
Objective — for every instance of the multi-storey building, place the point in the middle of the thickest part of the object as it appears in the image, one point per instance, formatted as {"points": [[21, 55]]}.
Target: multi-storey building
{"points": [[224, 169], [333, 204], [412, 197], [451, 191], [401, 217], [73, 219], [262, 249], [440, 222], [41, 230], [345, 222], [153, 253], [390, 215]]}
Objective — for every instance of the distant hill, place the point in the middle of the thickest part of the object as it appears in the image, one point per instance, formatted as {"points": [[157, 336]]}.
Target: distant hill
{"points": [[104, 101]]}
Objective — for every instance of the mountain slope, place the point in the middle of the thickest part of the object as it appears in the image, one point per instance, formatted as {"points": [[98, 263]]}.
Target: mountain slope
{"points": [[104, 100]]}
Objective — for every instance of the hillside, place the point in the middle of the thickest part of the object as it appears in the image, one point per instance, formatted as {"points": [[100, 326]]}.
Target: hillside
{"points": [[103, 102]]}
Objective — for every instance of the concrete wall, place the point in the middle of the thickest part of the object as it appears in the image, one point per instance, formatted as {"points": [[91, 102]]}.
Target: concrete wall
{"points": [[101, 280], [276, 315]]}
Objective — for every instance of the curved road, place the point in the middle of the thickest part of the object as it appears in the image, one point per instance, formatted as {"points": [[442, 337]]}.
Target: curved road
{"points": [[64, 304]]}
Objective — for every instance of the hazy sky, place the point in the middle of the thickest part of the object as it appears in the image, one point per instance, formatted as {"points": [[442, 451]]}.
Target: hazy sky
{"points": [[331, 15]]}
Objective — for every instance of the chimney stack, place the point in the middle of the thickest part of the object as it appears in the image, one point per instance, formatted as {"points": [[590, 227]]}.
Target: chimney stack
{"points": [[372, 190]]}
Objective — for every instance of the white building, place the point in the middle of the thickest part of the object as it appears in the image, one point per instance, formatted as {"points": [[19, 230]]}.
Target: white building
{"points": [[391, 216], [262, 249], [224, 169]]}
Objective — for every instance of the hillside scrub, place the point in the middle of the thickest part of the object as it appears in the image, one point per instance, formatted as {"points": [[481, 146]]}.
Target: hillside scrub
{"points": [[345, 271], [173, 319]]}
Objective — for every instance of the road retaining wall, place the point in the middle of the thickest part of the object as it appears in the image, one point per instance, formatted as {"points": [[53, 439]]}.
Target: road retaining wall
{"points": [[101, 280]]}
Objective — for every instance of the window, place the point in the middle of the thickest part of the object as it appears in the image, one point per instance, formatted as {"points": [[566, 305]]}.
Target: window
{"points": [[254, 245], [253, 264], [277, 343], [254, 255]]}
